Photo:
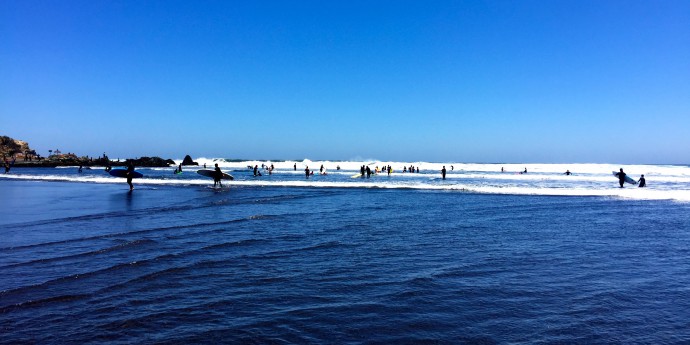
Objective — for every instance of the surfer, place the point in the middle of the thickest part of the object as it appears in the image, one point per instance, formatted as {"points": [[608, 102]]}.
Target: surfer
{"points": [[621, 177], [368, 172], [256, 170], [130, 171], [295, 166], [179, 169], [443, 172], [217, 176], [80, 167], [306, 171], [567, 172], [642, 182]]}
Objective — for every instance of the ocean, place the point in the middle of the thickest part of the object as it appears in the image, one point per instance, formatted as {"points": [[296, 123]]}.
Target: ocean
{"points": [[483, 256]]}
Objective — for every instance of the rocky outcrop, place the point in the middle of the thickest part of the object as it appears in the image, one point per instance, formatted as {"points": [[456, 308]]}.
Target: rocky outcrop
{"points": [[188, 161], [10, 147], [152, 162], [19, 152]]}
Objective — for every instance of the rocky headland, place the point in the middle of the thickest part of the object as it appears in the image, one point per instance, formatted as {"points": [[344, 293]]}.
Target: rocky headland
{"points": [[19, 152]]}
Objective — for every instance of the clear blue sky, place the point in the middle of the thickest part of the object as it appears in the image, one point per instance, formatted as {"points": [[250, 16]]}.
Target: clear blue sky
{"points": [[471, 81]]}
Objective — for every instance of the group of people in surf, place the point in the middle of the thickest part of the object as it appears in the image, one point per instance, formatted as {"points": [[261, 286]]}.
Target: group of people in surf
{"points": [[365, 171], [642, 182]]}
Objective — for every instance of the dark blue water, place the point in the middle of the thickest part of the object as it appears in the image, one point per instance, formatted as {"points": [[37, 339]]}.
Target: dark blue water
{"points": [[90, 263]]}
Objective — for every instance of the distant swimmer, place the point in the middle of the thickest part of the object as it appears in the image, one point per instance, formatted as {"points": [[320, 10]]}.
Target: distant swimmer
{"points": [[130, 171], [295, 166], [256, 170], [501, 169], [337, 168], [321, 169], [443, 172], [306, 171], [621, 177], [217, 176], [642, 182], [451, 168], [80, 167], [567, 172], [179, 169], [524, 172]]}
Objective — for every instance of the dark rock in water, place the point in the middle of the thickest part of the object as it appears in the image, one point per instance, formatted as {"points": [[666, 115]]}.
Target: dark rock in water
{"points": [[188, 161], [152, 162]]}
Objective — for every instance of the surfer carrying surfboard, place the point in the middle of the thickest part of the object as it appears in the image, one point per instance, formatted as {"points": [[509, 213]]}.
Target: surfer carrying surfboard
{"points": [[130, 172], [217, 177], [621, 177]]}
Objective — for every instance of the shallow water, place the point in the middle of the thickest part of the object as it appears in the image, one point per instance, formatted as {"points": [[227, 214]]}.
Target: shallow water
{"points": [[87, 263]]}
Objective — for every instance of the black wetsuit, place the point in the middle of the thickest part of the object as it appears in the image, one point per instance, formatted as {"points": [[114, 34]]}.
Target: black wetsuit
{"points": [[621, 178], [643, 182], [130, 171], [443, 173], [217, 177]]}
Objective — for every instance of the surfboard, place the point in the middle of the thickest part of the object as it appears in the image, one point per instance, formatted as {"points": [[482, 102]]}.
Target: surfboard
{"points": [[627, 178], [356, 175], [123, 173], [212, 173]]}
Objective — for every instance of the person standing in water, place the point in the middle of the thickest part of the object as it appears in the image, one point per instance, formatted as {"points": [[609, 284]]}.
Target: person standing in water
{"points": [[306, 171], [217, 176], [621, 177], [642, 182], [295, 166], [130, 172], [443, 172]]}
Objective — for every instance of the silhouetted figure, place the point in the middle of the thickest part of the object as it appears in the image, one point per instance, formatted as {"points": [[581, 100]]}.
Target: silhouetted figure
{"points": [[306, 171], [130, 172], [621, 177], [217, 176], [567, 172], [642, 182], [443, 172]]}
